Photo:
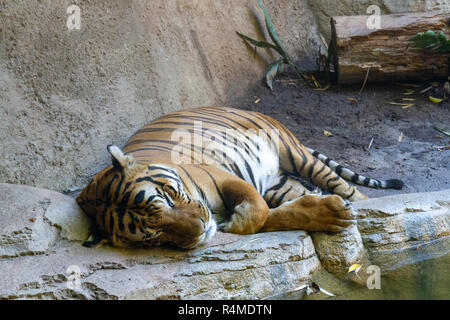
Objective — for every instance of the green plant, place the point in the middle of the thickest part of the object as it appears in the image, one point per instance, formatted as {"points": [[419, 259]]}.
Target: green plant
{"points": [[272, 69], [432, 41]]}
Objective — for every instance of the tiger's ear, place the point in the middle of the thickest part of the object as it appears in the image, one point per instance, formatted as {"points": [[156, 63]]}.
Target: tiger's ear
{"points": [[119, 160]]}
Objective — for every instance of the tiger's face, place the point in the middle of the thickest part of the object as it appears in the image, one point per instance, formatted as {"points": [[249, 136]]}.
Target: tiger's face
{"points": [[144, 204]]}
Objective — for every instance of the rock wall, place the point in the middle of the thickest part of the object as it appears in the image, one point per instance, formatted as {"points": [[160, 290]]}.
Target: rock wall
{"points": [[41, 256], [66, 94]]}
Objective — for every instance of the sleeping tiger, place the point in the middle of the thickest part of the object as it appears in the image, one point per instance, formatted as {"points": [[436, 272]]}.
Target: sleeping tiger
{"points": [[190, 172]]}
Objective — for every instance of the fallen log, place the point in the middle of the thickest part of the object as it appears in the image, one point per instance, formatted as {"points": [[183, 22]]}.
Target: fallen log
{"points": [[385, 54]]}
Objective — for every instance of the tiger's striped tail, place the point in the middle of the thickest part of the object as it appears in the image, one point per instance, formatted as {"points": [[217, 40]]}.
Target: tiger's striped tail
{"points": [[356, 178]]}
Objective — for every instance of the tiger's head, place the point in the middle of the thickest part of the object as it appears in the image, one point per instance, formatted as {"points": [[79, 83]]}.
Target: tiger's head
{"points": [[136, 204]]}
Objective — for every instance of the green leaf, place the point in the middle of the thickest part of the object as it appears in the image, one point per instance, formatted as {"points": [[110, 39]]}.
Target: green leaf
{"points": [[429, 40], [442, 38], [276, 39], [425, 40], [257, 43], [447, 133], [272, 69], [417, 37], [271, 72], [444, 48], [430, 34], [272, 32], [444, 44]]}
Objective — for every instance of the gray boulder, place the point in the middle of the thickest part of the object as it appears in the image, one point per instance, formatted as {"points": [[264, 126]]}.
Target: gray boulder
{"points": [[41, 256], [403, 229]]}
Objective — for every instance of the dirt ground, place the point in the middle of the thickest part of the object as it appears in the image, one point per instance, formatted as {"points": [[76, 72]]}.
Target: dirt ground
{"points": [[404, 142]]}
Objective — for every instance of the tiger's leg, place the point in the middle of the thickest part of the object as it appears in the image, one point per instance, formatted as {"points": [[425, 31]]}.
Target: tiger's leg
{"points": [[285, 189], [246, 206], [311, 213], [298, 210], [300, 162], [295, 208]]}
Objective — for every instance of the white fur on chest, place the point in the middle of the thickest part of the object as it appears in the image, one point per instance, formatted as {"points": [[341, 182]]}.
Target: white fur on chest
{"points": [[259, 165]]}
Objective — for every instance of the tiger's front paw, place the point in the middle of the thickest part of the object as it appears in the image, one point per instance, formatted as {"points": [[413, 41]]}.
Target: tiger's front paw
{"points": [[247, 218], [325, 213], [236, 225], [232, 226]]}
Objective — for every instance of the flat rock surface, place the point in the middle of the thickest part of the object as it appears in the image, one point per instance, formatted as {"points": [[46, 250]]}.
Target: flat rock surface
{"points": [[41, 236], [402, 229], [42, 257], [32, 220]]}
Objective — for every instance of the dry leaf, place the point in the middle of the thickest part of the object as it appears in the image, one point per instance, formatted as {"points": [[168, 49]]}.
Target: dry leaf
{"points": [[316, 83], [327, 133], [412, 85], [312, 288], [326, 292], [323, 89], [426, 89], [401, 104], [299, 288], [442, 148], [370, 144], [435, 100], [408, 92], [354, 267]]}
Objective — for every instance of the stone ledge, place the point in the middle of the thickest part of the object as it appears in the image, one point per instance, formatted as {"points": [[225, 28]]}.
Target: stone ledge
{"points": [[403, 229], [32, 220], [41, 233]]}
